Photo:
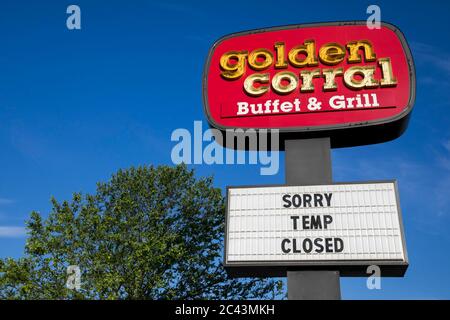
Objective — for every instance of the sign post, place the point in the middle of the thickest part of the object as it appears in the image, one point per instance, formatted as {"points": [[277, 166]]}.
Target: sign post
{"points": [[308, 162]]}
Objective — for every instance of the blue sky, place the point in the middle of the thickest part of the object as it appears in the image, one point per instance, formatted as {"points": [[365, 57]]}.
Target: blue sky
{"points": [[75, 106]]}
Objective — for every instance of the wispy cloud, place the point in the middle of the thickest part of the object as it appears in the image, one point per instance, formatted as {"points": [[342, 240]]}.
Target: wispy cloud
{"points": [[442, 156], [435, 59], [185, 9], [6, 201], [425, 53], [446, 145], [12, 232], [429, 179], [27, 141], [443, 183]]}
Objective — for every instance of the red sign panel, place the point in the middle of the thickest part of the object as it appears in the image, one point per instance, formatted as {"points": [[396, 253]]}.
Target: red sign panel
{"points": [[309, 78]]}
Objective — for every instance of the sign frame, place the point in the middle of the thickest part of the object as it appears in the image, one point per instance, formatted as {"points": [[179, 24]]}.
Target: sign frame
{"points": [[347, 268], [342, 134]]}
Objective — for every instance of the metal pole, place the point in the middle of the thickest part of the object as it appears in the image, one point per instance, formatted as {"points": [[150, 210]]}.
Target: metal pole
{"points": [[308, 161]]}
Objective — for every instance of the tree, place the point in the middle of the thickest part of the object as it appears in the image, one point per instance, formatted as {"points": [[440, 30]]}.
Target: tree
{"points": [[148, 233]]}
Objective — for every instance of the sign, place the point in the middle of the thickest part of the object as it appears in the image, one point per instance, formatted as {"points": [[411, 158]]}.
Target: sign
{"points": [[341, 80], [344, 226]]}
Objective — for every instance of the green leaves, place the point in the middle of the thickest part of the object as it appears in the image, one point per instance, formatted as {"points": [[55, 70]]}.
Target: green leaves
{"points": [[147, 233]]}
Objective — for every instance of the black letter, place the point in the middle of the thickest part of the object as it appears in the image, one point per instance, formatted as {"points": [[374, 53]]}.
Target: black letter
{"points": [[294, 221], [283, 245], [294, 246], [286, 199], [318, 200], [338, 248], [316, 222], [309, 249], [318, 244], [327, 220], [305, 222], [296, 200], [307, 200], [328, 198], [329, 244]]}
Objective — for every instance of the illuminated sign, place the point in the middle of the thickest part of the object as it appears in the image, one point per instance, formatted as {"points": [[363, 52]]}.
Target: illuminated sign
{"points": [[312, 79], [344, 226]]}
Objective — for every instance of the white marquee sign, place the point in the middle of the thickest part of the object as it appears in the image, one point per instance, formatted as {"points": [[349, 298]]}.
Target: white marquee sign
{"points": [[338, 224]]}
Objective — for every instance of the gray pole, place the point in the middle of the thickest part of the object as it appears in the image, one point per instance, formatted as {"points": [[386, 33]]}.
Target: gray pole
{"points": [[308, 161]]}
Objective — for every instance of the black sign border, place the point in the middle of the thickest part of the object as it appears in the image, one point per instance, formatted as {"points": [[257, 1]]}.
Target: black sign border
{"points": [[346, 268]]}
